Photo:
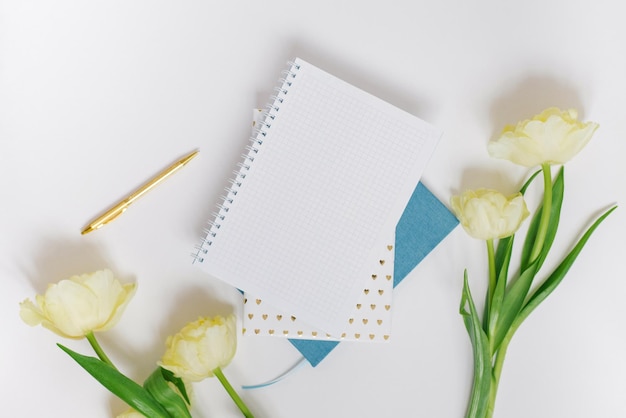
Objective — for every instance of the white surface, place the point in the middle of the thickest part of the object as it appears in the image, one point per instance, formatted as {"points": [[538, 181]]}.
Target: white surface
{"points": [[96, 97]]}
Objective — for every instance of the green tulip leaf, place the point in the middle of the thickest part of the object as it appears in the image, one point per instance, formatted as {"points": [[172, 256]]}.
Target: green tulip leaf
{"points": [[503, 256], [558, 189], [482, 357], [157, 386], [544, 290], [512, 304], [118, 384], [178, 382], [529, 181], [499, 292]]}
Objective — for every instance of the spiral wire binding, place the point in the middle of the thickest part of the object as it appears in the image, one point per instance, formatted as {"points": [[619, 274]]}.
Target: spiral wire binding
{"points": [[251, 151]]}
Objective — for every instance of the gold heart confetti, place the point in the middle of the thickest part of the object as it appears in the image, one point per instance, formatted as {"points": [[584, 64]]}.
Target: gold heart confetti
{"points": [[366, 291], [243, 331], [373, 306], [374, 276], [286, 332], [279, 317], [293, 318], [365, 321], [271, 332], [387, 307], [256, 331], [386, 337], [351, 320], [358, 306], [258, 301], [372, 336], [390, 247], [264, 316], [300, 332], [379, 321], [388, 277], [381, 291], [382, 262], [343, 335], [250, 315], [314, 333], [245, 300], [357, 336]]}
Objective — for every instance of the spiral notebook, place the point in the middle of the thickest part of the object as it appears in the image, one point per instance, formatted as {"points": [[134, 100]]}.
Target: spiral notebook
{"points": [[329, 169]]}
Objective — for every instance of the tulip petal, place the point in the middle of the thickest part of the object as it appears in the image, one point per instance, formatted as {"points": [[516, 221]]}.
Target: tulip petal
{"points": [[30, 313], [71, 307]]}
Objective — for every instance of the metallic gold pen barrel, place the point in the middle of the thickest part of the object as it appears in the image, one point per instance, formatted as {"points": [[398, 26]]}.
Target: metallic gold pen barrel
{"points": [[121, 206], [160, 177]]}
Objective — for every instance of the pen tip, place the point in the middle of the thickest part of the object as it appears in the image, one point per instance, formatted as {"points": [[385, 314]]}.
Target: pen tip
{"points": [[189, 157], [86, 230]]}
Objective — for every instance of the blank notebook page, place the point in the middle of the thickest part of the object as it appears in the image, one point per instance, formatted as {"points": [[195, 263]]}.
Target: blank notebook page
{"points": [[329, 168]]}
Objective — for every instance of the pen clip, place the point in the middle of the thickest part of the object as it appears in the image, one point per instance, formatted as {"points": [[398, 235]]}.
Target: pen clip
{"points": [[108, 216], [115, 212]]}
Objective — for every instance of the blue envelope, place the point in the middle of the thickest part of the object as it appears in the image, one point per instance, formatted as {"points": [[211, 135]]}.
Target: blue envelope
{"points": [[425, 222]]}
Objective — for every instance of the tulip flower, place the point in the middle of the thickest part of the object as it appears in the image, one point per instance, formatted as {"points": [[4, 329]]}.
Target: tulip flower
{"points": [[488, 214], [552, 137], [201, 349], [80, 305]]}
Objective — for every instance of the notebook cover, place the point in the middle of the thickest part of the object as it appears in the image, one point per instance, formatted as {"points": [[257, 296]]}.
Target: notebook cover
{"points": [[425, 222]]}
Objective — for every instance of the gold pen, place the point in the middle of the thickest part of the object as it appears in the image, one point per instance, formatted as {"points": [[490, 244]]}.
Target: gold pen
{"points": [[120, 207]]}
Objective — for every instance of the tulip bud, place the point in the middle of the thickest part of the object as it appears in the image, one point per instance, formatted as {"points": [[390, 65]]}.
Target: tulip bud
{"points": [[488, 214], [201, 347]]}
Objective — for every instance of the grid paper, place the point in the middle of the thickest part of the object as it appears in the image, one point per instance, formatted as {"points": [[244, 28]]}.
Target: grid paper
{"points": [[370, 320], [335, 168]]}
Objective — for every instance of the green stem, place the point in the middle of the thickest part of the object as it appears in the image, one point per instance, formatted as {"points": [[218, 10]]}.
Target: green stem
{"points": [[98, 349], [235, 397], [492, 268], [492, 283], [495, 378], [545, 212]]}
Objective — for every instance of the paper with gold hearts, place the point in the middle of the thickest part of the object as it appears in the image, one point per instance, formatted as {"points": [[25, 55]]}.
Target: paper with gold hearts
{"points": [[370, 320]]}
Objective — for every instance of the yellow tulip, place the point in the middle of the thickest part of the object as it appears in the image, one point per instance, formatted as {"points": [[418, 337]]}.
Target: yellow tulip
{"points": [[552, 137], [79, 305], [488, 214], [201, 347]]}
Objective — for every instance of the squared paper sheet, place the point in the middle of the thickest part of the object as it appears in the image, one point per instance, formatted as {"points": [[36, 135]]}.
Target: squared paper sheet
{"points": [[332, 168], [371, 316]]}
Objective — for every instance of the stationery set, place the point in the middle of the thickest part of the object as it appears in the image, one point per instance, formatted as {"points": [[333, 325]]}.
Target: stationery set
{"points": [[325, 214]]}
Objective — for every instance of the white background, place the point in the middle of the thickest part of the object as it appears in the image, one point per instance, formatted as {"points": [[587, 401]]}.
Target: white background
{"points": [[96, 97]]}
